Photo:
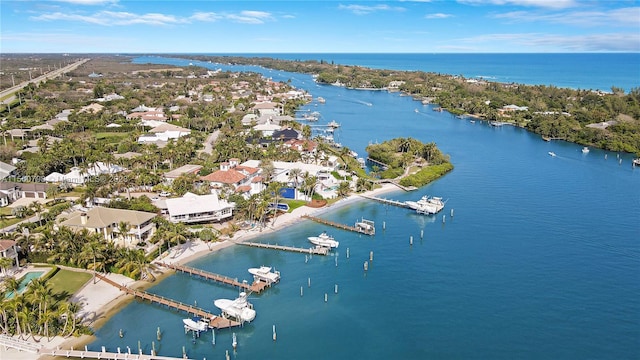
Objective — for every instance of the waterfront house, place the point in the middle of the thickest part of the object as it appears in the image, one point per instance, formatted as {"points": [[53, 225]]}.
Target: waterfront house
{"points": [[106, 221], [192, 208]]}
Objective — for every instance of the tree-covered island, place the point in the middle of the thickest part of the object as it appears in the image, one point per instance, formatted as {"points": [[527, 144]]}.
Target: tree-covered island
{"points": [[409, 161]]}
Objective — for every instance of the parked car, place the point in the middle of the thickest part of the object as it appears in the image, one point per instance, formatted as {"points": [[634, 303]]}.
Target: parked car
{"points": [[164, 193]]}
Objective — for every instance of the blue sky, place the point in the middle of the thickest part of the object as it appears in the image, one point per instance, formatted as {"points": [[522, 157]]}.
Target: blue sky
{"points": [[420, 26]]}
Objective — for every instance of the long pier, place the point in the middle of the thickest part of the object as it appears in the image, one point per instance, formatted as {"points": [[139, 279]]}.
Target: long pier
{"points": [[387, 201], [256, 287], [215, 321], [339, 226], [318, 250], [27, 346]]}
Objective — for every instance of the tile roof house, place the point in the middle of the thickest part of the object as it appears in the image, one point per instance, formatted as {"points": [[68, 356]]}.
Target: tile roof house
{"points": [[105, 221], [192, 208], [235, 175]]}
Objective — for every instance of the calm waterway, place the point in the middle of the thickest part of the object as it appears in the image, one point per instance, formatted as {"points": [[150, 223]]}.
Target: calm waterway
{"points": [[540, 260]]}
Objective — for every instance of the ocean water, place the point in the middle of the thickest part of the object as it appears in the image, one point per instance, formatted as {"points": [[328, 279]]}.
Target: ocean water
{"points": [[540, 258], [596, 71]]}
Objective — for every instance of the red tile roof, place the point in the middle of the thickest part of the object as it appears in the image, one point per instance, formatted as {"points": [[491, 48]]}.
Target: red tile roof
{"points": [[230, 176]]}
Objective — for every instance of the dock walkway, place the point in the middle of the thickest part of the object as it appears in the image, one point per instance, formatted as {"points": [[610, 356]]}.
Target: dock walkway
{"points": [[387, 201], [215, 321], [27, 346], [318, 250], [256, 287], [339, 226]]}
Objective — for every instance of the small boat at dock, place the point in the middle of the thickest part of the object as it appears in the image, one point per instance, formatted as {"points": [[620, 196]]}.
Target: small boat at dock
{"points": [[239, 309], [264, 274], [195, 324], [324, 240], [427, 205]]}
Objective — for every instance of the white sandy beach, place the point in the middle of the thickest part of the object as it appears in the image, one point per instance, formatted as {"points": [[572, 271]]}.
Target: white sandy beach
{"points": [[98, 297]]}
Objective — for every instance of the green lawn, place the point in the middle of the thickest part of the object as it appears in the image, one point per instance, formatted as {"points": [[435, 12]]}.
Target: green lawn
{"points": [[67, 281]]}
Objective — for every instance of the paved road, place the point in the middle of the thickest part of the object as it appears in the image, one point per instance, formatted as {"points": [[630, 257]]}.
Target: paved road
{"points": [[38, 80]]}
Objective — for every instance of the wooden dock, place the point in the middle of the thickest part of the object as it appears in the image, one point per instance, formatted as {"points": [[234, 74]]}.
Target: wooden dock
{"points": [[34, 348], [256, 287], [382, 165], [387, 201], [84, 354], [215, 321], [318, 250], [340, 226]]}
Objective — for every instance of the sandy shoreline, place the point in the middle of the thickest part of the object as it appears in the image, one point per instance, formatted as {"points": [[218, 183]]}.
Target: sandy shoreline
{"points": [[100, 300]]}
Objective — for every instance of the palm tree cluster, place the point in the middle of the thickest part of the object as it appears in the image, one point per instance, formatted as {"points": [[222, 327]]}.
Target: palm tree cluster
{"points": [[38, 311]]}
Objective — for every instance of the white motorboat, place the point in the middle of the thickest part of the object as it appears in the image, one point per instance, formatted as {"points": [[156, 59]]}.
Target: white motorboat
{"points": [[333, 124], [264, 274], [196, 324], [324, 240], [552, 154], [427, 205], [239, 309], [321, 100], [585, 150]]}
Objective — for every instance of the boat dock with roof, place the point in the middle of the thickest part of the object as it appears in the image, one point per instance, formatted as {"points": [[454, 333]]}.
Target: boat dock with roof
{"points": [[359, 229]]}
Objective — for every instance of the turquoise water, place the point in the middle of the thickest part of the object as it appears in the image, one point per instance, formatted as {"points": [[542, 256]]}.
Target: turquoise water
{"points": [[24, 282], [540, 260]]}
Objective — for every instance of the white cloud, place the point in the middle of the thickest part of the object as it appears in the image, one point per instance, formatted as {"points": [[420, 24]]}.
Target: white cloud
{"points": [[206, 16], [110, 18], [438, 16], [617, 17], [627, 42], [364, 9], [89, 2], [552, 4]]}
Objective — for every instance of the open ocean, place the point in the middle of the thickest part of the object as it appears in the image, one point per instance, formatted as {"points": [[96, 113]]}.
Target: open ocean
{"points": [[540, 259]]}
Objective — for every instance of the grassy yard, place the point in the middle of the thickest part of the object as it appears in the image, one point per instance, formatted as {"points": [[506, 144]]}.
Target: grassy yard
{"points": [[67, 281]]}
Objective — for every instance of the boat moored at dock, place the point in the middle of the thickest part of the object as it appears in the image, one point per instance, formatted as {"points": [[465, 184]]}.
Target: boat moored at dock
{"points": [[195, 324], [239, 309], [324, 240], [427, 205], [264, 274]]}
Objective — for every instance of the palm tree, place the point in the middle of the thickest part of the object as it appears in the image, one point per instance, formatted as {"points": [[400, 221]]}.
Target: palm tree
{"points": [[343, 189], [123, 229], [209, 236], [295, 174], [5, 263]]}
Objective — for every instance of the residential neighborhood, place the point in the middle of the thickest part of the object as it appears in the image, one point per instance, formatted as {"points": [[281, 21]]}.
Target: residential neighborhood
{"points": [[123, 156]]}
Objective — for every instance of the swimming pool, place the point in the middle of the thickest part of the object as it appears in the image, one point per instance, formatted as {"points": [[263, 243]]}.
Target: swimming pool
{"points": [[24, 282]]}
